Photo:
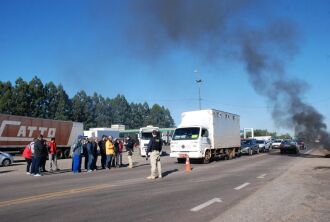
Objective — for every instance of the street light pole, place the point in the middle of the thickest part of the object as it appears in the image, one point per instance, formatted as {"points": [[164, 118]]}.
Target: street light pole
{"points": [[199, 82]]}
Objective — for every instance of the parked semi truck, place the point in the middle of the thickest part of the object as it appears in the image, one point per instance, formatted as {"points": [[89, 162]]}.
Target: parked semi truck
{"points": [[17, 131], [145, 135], [205, 134]]}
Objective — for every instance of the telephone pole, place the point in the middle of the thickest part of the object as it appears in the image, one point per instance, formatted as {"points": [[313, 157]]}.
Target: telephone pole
{"points": [[199, 82]]}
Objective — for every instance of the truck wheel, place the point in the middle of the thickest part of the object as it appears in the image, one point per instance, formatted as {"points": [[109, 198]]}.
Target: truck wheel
{"points": [[6, 162], [66, 153], [181, 160], [207, 157]]}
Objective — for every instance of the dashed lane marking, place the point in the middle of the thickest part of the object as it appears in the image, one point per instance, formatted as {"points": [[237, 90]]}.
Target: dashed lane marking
{"points": [[54, 195], [242, 186], [262, 176], [206, 204]]}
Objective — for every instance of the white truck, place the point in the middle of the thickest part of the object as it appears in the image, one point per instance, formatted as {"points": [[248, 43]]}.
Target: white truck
{"points": [[205, 134], [145, 134], [99, 132]]}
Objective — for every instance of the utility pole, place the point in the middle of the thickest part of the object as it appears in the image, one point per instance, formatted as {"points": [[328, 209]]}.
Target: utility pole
{"points": [[199, 82]]}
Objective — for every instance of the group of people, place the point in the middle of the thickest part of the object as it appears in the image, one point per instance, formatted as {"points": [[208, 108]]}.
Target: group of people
{"points": [[35, 154], [110, 150]]}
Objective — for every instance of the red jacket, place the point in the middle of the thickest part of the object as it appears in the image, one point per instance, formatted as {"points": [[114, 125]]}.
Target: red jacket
{"points": [[52, 147], [27, 152]]}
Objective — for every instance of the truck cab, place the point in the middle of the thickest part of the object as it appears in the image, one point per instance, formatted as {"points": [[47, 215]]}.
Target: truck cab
{"points": [[192, 141], [145, 134]]}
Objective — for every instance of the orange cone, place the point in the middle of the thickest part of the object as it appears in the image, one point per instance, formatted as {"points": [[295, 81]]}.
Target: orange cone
{"points": [[188, 166]]}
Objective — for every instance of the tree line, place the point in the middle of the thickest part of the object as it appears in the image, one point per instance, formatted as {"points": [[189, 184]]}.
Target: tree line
{"points": [[50, 101]]}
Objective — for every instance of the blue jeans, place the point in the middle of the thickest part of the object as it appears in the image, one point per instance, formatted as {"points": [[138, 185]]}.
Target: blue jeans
{"points": [[76, 163], [35, 165], [109, 159], [90, 162]]}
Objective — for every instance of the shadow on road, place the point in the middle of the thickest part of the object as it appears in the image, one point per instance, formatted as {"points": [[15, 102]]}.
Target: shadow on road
{"points": [[6, 171], [166, 173]]}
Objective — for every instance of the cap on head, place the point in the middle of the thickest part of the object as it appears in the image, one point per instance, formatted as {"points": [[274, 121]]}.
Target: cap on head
{"points": [[80, 137]]}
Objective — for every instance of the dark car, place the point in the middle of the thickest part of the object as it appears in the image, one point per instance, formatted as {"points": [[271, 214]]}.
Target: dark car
{"points": [[289, 146], [249, 146]]}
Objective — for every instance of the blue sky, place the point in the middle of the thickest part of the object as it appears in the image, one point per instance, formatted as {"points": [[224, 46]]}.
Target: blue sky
{"points": [[83, 45]]}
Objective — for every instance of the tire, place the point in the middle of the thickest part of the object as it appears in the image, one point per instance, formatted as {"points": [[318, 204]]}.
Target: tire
{"points": [[6, 162], [181, 160], [207, 157]]}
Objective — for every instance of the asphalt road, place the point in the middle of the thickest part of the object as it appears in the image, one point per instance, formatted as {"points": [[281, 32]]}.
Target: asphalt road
{"points": [[126, 195]]}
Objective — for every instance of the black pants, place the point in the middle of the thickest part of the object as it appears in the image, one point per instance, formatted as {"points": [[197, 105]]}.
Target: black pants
{"points": [[86, 161], [94, 162], [103, 160], [43, 163], [28, 165]]}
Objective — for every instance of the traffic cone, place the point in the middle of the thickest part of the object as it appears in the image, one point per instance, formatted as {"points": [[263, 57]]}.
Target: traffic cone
{"points": [[188, 166]]}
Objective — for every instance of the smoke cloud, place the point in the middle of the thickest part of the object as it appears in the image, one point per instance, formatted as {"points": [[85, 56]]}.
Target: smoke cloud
{"points": [[216, 29]]}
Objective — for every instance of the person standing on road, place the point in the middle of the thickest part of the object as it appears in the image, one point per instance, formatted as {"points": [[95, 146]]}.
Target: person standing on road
{"points": [[77, 150], [44, 155], [27, 154], [38, 153], [110, 151], [129, 149], [52, 156], [102, 151], [90, 153], [116, 144], [95, 153], [155, 147]]}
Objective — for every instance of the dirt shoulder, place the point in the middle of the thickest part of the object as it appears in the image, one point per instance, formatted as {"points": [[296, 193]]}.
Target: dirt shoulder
{"points": [[300, 194]]}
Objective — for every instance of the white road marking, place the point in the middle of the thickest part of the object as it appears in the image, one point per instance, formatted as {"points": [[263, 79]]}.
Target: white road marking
{"points": [[206, 204], [262, 176], [241, 186]]}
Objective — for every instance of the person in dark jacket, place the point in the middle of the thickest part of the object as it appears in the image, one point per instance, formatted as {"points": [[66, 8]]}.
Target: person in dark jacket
{"points": [[130, 149], [44, 155], [155, 147], [38, 152], [95, 153], [102, 151], [90, 154]]}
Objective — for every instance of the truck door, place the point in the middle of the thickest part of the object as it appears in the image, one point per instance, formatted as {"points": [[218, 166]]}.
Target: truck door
{"points": [[206, 143]]}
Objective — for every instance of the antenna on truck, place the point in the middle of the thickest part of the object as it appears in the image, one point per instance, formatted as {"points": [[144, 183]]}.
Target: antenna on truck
{"points": [[199, 82]]}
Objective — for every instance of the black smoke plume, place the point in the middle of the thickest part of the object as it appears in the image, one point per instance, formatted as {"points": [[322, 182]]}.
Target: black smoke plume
{"points": [[216, 29]]}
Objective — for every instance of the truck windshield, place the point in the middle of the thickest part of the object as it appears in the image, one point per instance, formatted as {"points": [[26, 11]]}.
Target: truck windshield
{"points": [[191, 133]]}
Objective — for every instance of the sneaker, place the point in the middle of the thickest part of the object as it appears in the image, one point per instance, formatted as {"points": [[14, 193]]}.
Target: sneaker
{"points": [[37, 175], [151, 178], [28, 173], [89, 171]]}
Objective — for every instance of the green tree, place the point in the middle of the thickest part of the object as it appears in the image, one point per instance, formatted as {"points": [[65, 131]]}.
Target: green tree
{"points": [[6, 91], [20, 101], [63, 105], [121, 110]]}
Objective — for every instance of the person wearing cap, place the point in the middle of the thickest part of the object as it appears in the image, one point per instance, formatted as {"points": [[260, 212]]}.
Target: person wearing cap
{"points": [[77, 150], [154, 148]]}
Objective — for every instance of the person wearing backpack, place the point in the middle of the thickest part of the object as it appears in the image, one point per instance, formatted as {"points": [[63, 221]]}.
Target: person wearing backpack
{"points": [[27, 154]]}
